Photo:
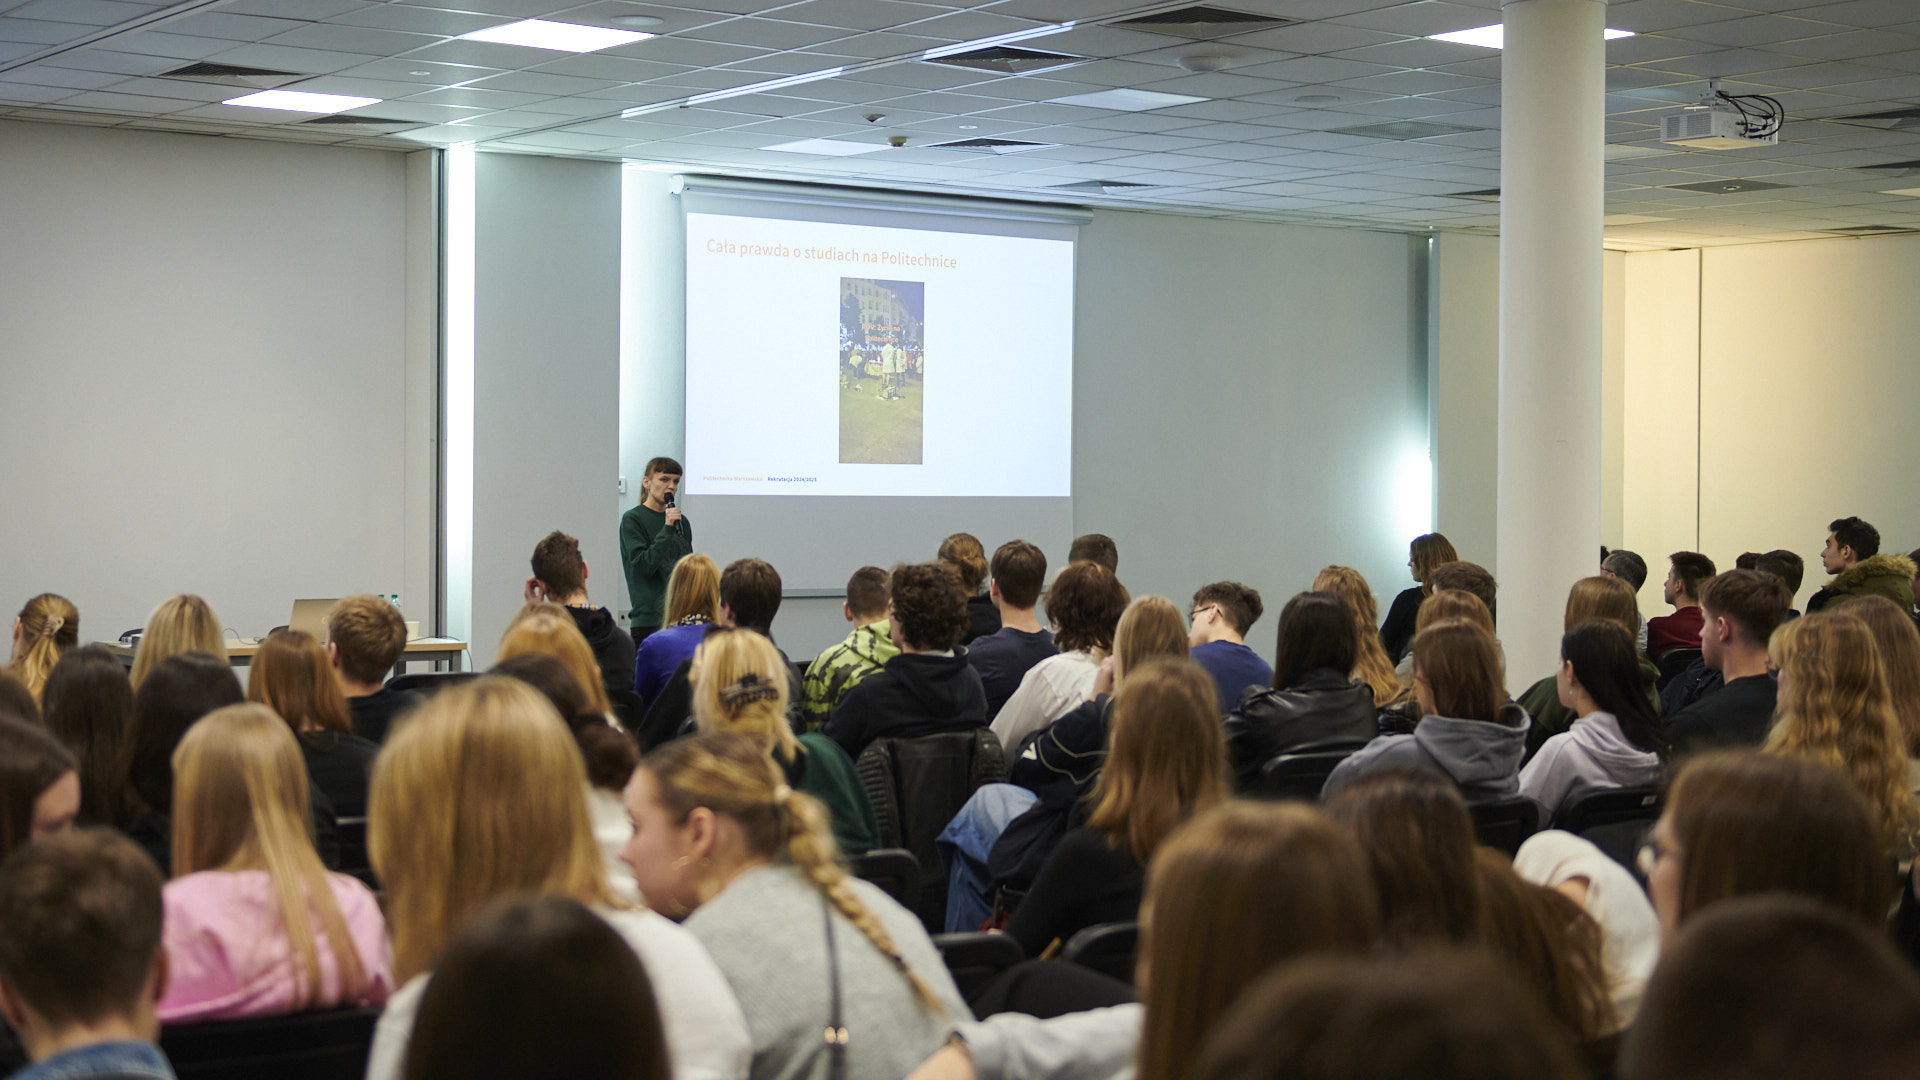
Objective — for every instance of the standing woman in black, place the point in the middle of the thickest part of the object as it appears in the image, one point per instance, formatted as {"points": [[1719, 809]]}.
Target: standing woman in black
{"points": [[1427, 552]]}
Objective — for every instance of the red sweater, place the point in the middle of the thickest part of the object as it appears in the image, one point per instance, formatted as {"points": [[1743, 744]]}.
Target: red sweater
{"points": [[1680, 630]]}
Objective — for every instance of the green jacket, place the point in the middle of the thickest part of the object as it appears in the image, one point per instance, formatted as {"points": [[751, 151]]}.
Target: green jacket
{"points": [[824, 771], [840, 668], [648, 552], [1890, 576]]}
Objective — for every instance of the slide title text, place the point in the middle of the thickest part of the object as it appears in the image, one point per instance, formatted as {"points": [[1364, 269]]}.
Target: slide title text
{"points": [[829, 254]]}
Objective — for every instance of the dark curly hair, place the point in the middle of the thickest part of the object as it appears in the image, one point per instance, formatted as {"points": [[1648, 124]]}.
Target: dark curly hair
{"points": [[1084, 606], [929, 606]]}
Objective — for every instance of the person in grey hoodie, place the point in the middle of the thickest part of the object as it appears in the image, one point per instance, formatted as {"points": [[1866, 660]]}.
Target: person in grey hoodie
{"points": [[1618, 740], [1469, 731]]}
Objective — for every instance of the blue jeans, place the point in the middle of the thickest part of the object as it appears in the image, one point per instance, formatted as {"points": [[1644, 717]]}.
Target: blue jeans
{"points": [[965, 843]]}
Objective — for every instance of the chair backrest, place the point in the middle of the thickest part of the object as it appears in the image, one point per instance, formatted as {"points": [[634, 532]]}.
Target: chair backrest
{"points": [[429, 683], [1298, 776], [1672, 663], [893, 869], [330, 1045], [628, 708], [1607, 807], [974, 959], [1505, 823], [916, 786], [1108, 948]]}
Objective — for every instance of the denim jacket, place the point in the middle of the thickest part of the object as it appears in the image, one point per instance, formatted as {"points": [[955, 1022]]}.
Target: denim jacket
{"points": [[102, 1061]]}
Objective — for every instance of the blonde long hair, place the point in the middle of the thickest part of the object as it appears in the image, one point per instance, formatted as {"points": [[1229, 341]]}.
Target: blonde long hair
{"points": [[481, 794], [293, 676], [240, 803], [1166, 756], [1151, 628], [692, 589], [49, 626], [740, 684], [546, 628], [1899, 645], [1370, 664], [1835, 709], [181, 624], [728, 773]]}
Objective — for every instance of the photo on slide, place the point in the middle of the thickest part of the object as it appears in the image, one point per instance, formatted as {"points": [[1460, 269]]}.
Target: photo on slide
{"points": [[882, 371]]}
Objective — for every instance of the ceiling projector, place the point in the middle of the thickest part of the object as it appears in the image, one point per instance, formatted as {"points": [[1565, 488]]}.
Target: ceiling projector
{"points": [[1724, 122]]}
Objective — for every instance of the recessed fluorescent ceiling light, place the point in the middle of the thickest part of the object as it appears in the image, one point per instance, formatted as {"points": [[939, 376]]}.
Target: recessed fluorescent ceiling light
{"points": [[1491, 37], [829, 147], [1903, 191], [1126, 100], [998, 39], [295, 101], [558, 36]]}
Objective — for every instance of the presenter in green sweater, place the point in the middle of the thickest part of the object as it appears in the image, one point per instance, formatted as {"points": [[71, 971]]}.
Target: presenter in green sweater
{"points": [[653, 537]]}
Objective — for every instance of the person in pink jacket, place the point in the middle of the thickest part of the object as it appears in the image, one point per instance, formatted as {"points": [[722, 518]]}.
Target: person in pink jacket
{"points": [[255, 925]]}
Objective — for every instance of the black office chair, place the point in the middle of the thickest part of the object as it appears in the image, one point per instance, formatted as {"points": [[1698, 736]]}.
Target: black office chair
{"points": [[1608, 807], [330, 1045], [1298, 777], [975, 959], [353, 850], [429, 683], [1505, 824], [893, 869], [1672, 663], [1108, 948], [915, 787]]}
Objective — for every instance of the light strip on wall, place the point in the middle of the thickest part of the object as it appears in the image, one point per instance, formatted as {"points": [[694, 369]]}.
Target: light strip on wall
{"points": [[458, 339]]}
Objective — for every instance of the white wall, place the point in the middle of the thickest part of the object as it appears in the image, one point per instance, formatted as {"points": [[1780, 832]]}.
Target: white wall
{"points": [[1466, 392], [206, 378], [546, 376]]}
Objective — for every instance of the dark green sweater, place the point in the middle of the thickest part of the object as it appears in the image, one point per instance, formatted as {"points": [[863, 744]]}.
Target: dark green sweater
{"points": [[648, 552]]}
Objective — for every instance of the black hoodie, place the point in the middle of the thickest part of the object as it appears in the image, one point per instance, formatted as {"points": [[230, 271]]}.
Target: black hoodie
{"points": [[612, 647], [914, 694]]}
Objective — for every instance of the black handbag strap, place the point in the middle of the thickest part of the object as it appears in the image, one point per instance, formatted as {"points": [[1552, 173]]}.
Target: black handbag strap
{"points": [[836, 1033]]}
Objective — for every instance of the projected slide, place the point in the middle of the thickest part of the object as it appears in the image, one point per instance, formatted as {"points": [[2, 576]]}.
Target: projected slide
{"points": [[827, 359]]}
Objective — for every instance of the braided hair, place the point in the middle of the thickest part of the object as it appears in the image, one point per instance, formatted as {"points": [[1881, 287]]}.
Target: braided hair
{"points": [[731, 774]]}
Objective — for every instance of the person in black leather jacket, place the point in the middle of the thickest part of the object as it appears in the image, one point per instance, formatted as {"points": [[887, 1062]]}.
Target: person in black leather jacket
{"points": [[1314, 704]]}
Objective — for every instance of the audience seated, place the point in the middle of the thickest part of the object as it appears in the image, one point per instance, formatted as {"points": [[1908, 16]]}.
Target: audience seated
{"points": [[291, 675], [44, 630], [1599, 597], [1740, 609], [560, 577], [1238, 890], [1608, 893], [479, 797], [1741, 822], [40, 785], [1003, 658], [739, 684], [1617, 741], [178, 691], [1095, 547], [1899, 645], [1438, 1015], [1687, 574], [80, 958], [1835, 709], [538, 986], [1314, 703], [1371, 664], [609, 755], [1417, 837], [1468, 579], [749, 599], [1550, 941], [1002, 837], [365, 637], [255, 925], [181, 624], [692, 604], [88, 705], [545, 628], [16, 701], [1468, 730], [1084, 606], [1221, 615], [720, 834], [1629, 567], [1425, 553], [964, 555], [860, 654], [1776, 988], [1789, 568], [1166, 761], [1852, 556], [929, 688]]}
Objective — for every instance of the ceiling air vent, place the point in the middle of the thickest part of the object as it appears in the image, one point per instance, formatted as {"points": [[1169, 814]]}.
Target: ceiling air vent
{"points": [[990, 146], [1491, 194], [359, 123], [1008, 60], [1870, 230], [1203, 21], [1403, 130], [1105, 187], [1726, 187], [232, 75], [1907, 119]]}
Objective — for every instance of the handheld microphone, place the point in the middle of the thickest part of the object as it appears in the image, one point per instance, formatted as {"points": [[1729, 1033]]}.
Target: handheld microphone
{"points": [[678, 530]]}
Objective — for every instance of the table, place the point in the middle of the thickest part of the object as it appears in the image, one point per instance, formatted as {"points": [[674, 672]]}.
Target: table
{"points": [[425, 649]]}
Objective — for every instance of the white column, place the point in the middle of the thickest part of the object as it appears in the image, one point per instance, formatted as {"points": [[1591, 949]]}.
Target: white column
{"points": [[1552, 99]]}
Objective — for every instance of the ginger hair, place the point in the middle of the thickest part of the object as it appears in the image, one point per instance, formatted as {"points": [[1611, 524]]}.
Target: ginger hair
{"points": [[1371, 665]]}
